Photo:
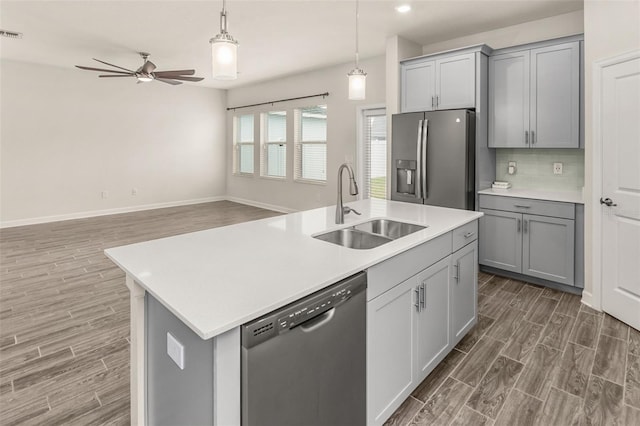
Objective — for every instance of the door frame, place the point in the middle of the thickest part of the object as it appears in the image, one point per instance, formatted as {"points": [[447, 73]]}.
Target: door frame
{"points": [[594, 299]]}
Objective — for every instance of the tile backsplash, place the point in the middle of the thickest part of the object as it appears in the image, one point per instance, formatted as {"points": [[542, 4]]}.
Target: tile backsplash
{"points": [[534, 168]]}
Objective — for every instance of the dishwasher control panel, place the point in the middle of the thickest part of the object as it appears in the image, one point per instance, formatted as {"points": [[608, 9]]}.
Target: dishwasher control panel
{"points": [[303, 310]]}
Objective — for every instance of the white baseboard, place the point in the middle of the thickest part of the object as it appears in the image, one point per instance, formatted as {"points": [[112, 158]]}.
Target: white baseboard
{"points": [[106, 212], [587, 299], [261, 205]]}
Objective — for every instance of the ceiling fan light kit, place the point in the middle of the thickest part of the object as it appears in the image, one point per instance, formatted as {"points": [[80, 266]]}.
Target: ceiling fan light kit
{"points": [[357, 77], [224, 51], [146, 72]]}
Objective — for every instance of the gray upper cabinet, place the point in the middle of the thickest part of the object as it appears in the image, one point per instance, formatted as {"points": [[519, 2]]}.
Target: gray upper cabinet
{"points": [[446, 82], [534, 97], [509, 100]]}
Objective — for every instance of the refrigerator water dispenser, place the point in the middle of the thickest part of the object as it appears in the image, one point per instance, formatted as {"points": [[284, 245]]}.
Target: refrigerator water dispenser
{"points": [[406, 176]]}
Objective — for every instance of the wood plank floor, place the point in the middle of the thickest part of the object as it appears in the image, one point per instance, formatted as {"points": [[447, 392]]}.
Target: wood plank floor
{"points": [[536, 357], [64, 312]]}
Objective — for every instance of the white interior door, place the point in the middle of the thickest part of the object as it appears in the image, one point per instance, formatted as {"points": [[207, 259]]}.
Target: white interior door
{"points": [[620, 133]]}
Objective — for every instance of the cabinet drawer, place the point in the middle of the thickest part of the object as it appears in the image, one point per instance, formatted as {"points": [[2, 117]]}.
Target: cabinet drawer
{"points": [[464, 235], [388, 274], [529, 206]]}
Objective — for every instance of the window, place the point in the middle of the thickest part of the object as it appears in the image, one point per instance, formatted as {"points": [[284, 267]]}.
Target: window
{"points": [[375, 153], [274, 144], [243, 144], [311, 143]]}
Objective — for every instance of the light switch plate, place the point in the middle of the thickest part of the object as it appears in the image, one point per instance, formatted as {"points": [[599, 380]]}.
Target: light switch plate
{"points": [[175, 350]]}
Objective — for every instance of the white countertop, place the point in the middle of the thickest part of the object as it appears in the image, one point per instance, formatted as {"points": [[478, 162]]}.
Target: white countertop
{"points": [[218, 279], [536, 194]]}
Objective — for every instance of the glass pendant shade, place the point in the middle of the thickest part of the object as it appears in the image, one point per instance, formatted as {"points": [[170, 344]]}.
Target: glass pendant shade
{"points": [[357, 84], [224, 54]]}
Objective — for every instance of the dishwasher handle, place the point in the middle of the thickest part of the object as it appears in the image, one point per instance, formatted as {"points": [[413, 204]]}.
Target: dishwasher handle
{"points": [[316, 322]]}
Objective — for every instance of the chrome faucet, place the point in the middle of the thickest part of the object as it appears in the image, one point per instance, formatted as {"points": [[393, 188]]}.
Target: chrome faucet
{"points": [[353, 190]]}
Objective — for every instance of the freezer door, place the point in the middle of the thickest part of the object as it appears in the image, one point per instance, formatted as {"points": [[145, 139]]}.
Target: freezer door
{"points": [[405, 171], [450, 161]]}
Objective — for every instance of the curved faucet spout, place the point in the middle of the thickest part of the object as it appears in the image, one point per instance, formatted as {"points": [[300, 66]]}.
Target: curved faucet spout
{"points": [[353, 190]]}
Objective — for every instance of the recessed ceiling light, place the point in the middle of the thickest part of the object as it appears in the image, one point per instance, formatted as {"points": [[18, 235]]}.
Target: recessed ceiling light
{"points": [[403, 8]]}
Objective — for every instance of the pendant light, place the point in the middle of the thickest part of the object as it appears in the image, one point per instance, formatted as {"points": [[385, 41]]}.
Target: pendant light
{"points": [[357, 77], [224, 51]]}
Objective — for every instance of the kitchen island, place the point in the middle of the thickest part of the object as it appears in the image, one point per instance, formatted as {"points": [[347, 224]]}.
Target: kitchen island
{"points": [[213, 281]]}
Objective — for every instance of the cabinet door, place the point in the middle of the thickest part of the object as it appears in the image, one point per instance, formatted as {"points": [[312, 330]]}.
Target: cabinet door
{"points": [[548, 248], [432, 322], [509, 100], [555, 96], [500, 240], [418, 86], [390, 353], [456, 82], [464, 291]]}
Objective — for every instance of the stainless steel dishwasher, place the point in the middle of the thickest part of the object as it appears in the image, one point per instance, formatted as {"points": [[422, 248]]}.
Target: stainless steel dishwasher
{"points": [[305, 364]]}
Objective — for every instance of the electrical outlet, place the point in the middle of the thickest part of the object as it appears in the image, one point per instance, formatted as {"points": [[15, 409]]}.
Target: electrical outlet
{"points": [[175, 350], [104, 194], [557, 168], [134, 192], [511, 168]]}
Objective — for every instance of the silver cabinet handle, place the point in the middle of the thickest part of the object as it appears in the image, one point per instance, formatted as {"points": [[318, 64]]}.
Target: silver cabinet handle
{"points": [[417, 304], [533, 137], [469, 234], [521, 206], [518, 221], [437, 100], [526, 137], [423, 291], [526, 226], [433, 102], [456, 267]]}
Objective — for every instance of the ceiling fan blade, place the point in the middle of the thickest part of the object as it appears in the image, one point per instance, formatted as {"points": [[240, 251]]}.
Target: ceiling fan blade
{"points": [[172, 82], [111, 65], [148, 67], [103, 70], [183, 78], [117, 75], [176, 72]]}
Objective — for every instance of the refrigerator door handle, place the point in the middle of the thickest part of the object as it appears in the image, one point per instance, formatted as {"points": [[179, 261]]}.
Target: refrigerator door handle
{"points": [[423, 160], [418, 177]]}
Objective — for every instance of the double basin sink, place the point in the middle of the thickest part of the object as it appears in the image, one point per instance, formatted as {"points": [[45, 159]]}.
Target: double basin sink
{"points": [[371, 234]]}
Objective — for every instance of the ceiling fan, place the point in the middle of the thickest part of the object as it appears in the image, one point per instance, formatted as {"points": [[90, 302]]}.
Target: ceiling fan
{"points": [[146, 72]]}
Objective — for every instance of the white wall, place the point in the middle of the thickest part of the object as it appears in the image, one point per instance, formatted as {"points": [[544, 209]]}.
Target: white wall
{"points": [[341, 132], [543, 29], [67, 135], [610, 28]]}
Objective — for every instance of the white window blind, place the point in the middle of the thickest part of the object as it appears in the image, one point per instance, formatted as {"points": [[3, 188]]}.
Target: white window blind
{"points": [[244, 146], [311, 143], [375, 153], [274, 144]]}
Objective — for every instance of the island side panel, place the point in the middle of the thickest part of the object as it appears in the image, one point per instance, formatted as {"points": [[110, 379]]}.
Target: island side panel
{"points": [[227, 378], [179, 387], [137, 343]]}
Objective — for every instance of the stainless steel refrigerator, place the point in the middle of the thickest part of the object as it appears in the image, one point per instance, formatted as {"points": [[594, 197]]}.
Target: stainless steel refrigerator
{"points": [[433, 158]]}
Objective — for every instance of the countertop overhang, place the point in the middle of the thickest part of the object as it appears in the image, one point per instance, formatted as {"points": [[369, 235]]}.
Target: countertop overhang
{"points": [[220, 278]]}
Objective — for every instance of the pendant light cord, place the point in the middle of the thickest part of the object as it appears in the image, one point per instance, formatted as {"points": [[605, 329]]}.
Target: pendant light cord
{"points": [[357, 13], [223, 18]]}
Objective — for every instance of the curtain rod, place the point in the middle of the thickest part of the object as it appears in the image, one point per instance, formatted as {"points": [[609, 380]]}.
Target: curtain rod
{"points": [[324, 95]]}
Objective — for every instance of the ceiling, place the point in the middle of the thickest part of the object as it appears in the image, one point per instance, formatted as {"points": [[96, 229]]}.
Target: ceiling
{"points": [[276, 37]]}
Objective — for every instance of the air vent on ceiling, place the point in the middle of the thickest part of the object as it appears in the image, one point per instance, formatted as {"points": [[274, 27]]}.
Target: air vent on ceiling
{"points": [[10, 34]]}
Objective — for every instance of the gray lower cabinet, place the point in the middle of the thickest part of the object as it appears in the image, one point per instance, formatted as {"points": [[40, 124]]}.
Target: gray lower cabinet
{"points": [[540, 245], [463, 290], [414, 324]]}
